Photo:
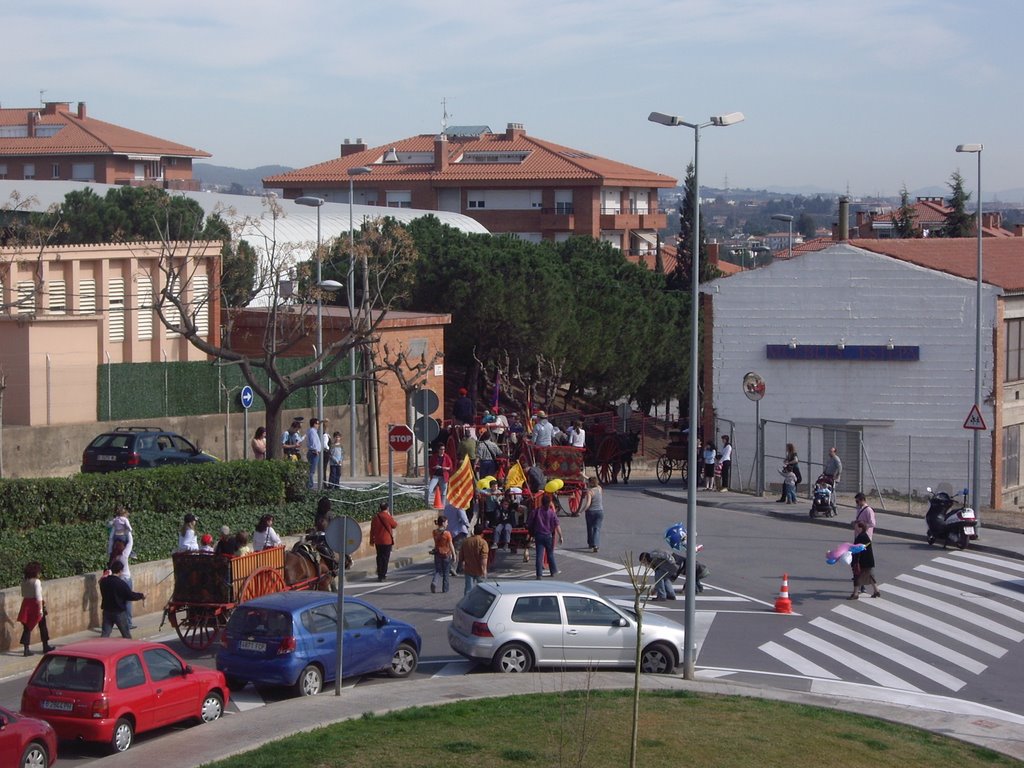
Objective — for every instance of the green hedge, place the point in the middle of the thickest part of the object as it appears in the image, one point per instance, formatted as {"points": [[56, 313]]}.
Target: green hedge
{"points": [[233, 493]]}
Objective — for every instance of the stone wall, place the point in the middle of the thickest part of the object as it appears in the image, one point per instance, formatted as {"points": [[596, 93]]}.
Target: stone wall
{"points": [[73, 604]]}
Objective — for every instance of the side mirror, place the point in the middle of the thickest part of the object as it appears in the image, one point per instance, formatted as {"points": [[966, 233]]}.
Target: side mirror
{"points": [[187, 670], [622, 623], [382, 621]]}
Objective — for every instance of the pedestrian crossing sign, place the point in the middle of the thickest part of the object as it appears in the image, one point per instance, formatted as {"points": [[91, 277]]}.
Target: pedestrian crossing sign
{"points": [[974, 419]]}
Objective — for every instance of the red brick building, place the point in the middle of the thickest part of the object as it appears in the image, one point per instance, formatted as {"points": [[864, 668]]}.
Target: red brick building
{"points": [[54, 143], [510, 182]]}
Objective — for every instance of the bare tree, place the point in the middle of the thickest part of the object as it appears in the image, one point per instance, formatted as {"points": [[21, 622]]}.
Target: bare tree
{"points": [[289, 298], [32, 241], [410, 372]]}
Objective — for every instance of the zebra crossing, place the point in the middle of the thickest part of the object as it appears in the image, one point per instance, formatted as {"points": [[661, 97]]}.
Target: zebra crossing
{"points": [[940, 624]]}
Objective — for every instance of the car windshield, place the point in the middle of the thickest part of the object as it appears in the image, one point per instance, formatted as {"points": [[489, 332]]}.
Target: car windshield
{"points": [[477, 602], [69, 673], [260, 622]]}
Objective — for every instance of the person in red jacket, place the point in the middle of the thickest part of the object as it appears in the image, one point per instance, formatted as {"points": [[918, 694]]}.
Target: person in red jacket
{"points": [[441, 467], [382, 539]]}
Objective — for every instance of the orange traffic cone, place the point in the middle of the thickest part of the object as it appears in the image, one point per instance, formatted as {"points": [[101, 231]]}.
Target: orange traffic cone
{"points": [[437, 499], [782, 603]]}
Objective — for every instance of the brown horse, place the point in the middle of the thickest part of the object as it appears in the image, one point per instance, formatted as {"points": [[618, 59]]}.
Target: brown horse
{"points": [[299, 569]]}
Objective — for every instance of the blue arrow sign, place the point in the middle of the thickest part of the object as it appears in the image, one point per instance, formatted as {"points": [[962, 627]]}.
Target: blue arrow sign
{"points": [[246, 396]]}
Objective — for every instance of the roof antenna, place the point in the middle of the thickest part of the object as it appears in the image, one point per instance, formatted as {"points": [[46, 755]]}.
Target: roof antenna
{"points": [[42, 92], [444, 114]]}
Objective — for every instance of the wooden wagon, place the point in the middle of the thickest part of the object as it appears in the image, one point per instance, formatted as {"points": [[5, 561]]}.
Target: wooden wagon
{"points": [[208, 587], [674, 458]]}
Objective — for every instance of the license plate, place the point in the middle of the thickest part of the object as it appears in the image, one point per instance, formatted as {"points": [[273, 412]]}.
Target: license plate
{"points": [[105, 457], [57, 706], [249, 645], [969, 530]]}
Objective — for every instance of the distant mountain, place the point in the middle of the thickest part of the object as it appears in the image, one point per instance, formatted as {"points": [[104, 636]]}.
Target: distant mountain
{"points": [[221, 178]]}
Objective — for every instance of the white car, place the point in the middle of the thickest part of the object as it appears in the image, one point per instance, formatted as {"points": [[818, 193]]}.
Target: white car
{"points": [[517, 625]]}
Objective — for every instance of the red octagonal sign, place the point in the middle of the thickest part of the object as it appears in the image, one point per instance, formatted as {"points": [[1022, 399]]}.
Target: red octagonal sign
{"points": [[400, 437]]}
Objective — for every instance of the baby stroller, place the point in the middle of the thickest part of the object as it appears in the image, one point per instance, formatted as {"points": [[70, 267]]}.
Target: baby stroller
{"points": [[823, 502]]}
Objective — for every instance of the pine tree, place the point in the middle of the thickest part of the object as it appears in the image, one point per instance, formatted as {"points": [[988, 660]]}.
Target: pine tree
{"points": [[958, 223], [903, 225], [679, 279]]}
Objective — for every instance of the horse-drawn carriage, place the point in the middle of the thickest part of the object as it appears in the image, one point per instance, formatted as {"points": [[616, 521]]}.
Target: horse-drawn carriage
{"points": [[674, 458], [208, 587]]}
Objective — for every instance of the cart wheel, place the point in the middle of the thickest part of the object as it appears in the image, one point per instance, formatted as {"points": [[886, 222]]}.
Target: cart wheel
{"points": [[262, 581], [196, 627], [664, 469]]}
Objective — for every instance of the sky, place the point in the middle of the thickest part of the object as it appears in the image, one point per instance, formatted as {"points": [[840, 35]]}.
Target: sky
{"points": [[866, 97]]}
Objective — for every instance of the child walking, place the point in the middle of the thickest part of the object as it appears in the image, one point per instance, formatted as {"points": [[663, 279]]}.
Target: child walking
{"points": [[788, 484]]}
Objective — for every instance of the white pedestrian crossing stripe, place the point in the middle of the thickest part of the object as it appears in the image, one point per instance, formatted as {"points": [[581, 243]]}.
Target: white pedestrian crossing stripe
{"points": [[934, 627]]}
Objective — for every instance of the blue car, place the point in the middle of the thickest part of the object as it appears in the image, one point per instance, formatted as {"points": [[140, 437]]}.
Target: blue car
{"points": [[288, 639]]}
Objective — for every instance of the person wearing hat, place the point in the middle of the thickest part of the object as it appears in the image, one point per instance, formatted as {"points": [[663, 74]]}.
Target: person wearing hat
{"points": [[543, 431], [227, 545], [499, 428], [463, 410], [206, 544], [187, 541]]}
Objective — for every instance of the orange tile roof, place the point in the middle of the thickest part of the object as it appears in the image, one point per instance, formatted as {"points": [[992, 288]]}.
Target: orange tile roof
{"points": [[545, 161], [1003, 262], [83, 136]]}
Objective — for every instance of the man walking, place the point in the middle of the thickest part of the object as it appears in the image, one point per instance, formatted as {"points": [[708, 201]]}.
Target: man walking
{"points": [[314, 450], [441, 467], [473, 558], [865, 514], [382, 538], [833, 467], [115, 594]]}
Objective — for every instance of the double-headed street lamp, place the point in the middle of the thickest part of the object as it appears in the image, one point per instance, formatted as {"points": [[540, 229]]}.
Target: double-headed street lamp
{"points": [[789, 219], [691, 486], [976, 471], [321, 285], [352, 173]]}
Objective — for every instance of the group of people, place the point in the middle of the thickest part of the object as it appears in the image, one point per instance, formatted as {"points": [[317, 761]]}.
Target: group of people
{"points": [[229, 544], [791, 477], [717, 465], [318, 450]]}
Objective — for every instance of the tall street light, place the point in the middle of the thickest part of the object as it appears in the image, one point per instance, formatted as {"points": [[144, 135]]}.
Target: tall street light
{"points": [[976, 471], [691, 485], [352, 173], [317, 202], [789, 219]]}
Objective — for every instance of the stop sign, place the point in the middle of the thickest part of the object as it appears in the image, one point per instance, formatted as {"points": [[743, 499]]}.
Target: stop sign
{"points": [[400, 437]]}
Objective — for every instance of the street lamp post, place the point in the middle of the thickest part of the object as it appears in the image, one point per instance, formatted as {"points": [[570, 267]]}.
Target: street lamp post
{"points": [[352, 173], [789, 219], [691, 486], [976, 469], [317, 202]]}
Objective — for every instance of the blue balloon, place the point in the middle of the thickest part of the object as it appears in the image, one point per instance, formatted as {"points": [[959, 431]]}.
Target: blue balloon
{"points": [[675, 536]]}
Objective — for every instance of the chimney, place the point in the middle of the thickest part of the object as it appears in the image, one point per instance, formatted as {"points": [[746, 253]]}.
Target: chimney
{"points": [[81, 110], [33, 121], [350, 148], [514, 131], [441, 153], [844, 219], [1018, 230], [56, 107]]}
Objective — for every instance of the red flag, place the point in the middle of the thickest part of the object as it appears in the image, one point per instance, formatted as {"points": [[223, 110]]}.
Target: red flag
{"points": [[460, 485]]}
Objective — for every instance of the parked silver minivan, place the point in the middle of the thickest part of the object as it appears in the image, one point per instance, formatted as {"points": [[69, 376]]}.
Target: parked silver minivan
{"points": [[517, 625]]}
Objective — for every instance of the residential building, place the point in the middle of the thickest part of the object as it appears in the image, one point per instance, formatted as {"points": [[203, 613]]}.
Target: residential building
{"points": [[872, 342], [54, 143], [929, 215], [510, 182]]}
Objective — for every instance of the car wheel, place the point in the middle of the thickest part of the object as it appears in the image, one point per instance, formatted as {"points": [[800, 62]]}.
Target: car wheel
{"points": [[124, 733], [514, 657], [34, 756], [212, 709], [404, 661], [311, 681], [235, 683], [657, 659]]}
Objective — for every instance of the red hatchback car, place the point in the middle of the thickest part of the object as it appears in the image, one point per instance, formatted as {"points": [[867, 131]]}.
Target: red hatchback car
{"points": [[26, 742], [108, 690]]}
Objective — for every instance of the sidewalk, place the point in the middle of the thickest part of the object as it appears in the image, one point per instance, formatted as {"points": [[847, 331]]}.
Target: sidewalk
{"points": [[992, 539], [183, 748]]}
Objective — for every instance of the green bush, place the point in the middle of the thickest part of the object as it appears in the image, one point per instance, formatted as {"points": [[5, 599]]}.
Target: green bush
{"points": [[29, 504], [72, 547]]}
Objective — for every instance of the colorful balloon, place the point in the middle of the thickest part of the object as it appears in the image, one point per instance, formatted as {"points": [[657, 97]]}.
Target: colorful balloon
{"points": [[675, 536], [554, 486], [844, 552]]}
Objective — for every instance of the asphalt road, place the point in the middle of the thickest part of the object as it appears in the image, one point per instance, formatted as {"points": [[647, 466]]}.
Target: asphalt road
{"points": [[948, 624]]}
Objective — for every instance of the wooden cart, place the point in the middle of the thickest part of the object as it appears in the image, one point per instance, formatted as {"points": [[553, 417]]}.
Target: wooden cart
{"points": [[208, 587]]}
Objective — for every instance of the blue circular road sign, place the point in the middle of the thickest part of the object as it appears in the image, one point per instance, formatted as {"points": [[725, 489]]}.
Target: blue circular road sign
{"points": [[246, 396]]}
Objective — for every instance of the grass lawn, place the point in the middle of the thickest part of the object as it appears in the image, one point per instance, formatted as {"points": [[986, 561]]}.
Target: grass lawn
{"points": [[592, 729]]}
